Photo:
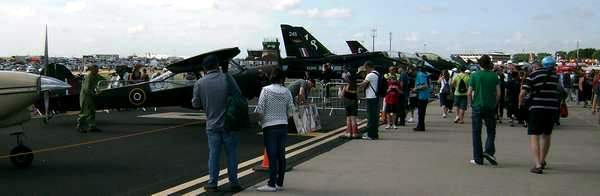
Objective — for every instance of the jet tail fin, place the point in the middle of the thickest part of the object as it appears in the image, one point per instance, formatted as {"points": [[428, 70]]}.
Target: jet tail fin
{"points": [[300, 43], [356, 47]]}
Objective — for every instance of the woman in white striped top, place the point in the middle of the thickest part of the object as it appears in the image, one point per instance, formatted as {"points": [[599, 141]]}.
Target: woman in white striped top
{"points": [[275, 105]]}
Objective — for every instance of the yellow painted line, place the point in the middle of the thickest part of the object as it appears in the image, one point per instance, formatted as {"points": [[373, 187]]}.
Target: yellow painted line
{"points": [[311, 134], [244, 164], [287, 156], [101, 140]]}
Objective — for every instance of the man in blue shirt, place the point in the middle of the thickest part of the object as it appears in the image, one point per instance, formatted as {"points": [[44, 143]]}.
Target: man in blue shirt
{"points": [[423, 89]]}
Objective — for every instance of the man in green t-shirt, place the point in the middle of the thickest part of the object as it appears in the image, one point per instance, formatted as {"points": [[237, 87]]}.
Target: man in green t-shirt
{"points": [[461, 85], [484, 91]]}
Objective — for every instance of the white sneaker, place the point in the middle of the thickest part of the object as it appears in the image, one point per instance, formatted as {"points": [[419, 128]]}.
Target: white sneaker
{"points": [[266, 188], [444, 115], [410, 120], [394, 127], [474, 163], [279, 188], [388, 127]]}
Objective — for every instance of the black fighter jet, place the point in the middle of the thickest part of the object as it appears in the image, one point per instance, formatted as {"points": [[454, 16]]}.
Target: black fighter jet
{"points": [[169, 89], [306, 54], [407, 58]]}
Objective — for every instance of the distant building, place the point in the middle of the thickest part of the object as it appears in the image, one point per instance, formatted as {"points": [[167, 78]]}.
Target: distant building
{"points": [[269, 55], [88, 59], [474, 57], [106, 57]]}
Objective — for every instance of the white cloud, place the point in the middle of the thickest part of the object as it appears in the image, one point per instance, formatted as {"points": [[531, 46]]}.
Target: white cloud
{"points": [[333, 13], [425, 8], [282, 5], [432, 8], [412, 37], [516, 38], [75, 6], [136, 29], [310, 13], [17, 11], [358, 35], [189, 5], [337, 13]]}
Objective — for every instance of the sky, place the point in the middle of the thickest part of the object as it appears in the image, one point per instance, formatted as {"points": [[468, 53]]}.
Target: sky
{"points": [[190, 27]]}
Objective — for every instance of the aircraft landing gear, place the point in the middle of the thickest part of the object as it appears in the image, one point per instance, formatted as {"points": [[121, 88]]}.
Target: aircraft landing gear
{"points": [[21, 155]]}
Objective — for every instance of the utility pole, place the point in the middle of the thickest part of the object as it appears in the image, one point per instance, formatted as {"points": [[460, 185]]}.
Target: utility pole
{"points": [[374, 34], [390, 42], [577, 51]]}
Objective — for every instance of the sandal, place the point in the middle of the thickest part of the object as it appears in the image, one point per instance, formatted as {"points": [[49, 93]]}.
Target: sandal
{"points": [[536, 170]]}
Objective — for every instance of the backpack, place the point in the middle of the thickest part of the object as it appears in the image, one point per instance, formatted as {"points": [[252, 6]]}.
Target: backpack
{"points": [[381, 85], [236, 110], [462, 86]]}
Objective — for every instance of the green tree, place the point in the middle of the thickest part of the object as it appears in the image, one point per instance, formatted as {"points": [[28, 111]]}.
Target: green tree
{"points": [[596, 55], [584, 53], [520, 57], [541, 56]]}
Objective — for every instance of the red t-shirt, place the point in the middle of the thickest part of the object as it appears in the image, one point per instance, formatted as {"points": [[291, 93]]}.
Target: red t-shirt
{"points": [[393, 92]]}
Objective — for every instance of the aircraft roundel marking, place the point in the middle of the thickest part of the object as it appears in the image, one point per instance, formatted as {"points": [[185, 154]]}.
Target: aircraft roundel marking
{"points": [[137, 96]]}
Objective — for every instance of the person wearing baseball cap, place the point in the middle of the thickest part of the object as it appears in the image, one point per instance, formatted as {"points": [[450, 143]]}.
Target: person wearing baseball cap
{"points": [[544, 103]]}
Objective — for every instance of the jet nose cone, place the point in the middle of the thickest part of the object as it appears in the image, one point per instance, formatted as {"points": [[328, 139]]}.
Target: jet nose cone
{"points": [[53, 84]]}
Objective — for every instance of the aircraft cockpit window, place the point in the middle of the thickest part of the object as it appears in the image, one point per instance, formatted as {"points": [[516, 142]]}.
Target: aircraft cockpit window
{"points": [[171, 80]]}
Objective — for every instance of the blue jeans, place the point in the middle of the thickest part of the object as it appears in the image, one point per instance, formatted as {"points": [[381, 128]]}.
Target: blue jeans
{"points": [[275, 138], [230, 140], [479, 116], [373, 118]]}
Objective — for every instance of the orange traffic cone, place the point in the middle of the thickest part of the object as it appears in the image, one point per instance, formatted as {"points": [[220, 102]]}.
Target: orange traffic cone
{"points": [[264, 166]]}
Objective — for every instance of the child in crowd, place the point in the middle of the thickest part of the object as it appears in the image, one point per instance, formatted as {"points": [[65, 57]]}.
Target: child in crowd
{"points": [[392, 99]]}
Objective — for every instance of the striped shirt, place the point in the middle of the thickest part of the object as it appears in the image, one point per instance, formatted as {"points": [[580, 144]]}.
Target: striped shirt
{"points": [[542, 85]]}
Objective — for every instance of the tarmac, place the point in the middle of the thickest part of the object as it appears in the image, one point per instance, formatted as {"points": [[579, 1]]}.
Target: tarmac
{"points": [[436, 162], [138, 153], [164, 152]]}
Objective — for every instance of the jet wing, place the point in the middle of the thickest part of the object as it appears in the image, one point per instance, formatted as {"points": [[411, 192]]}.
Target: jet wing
{"points": [[194, 64]]}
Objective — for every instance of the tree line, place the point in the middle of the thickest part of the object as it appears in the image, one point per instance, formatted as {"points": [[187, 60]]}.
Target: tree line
{"points": [[585, 53]]}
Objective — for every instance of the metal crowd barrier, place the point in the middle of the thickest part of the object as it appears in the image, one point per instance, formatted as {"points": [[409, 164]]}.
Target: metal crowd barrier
{"points": [[328, 97]]}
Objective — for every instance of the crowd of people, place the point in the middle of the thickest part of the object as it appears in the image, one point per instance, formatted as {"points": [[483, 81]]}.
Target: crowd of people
{"points": [[531, 96], [137, 75]]}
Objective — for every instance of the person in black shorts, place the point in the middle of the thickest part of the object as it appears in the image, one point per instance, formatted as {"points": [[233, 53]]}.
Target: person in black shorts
{"points": [[350, 96], [544, 103]]}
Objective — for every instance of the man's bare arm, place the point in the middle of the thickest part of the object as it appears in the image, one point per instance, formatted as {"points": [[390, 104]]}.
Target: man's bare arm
{"points": [[498, 93], [469, 96]]}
